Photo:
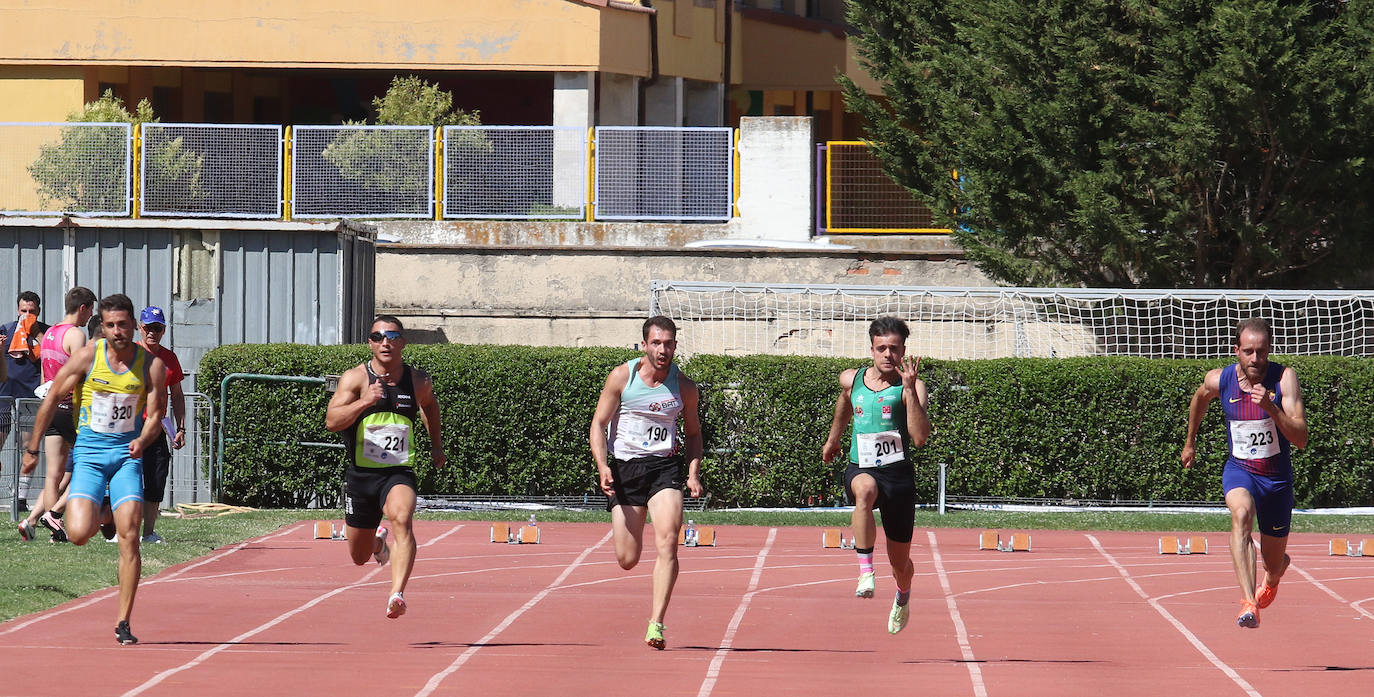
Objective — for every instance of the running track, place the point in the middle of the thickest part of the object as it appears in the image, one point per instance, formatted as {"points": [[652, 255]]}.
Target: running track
{"points": [[765, 613]]}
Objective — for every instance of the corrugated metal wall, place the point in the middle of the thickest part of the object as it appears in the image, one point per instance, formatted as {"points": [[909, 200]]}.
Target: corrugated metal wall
{"points": [[238, 282]]}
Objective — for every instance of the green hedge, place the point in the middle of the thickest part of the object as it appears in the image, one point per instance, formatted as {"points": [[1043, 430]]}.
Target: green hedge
{"points": [[516, 419]]}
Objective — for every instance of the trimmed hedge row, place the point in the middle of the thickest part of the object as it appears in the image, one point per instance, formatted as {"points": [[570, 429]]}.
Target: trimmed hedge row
{"points": [[516, 420]]}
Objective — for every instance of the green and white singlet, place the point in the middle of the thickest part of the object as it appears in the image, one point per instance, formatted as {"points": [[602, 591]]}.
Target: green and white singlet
{"points": [[645, 425], [880, 434], [384, 436]]}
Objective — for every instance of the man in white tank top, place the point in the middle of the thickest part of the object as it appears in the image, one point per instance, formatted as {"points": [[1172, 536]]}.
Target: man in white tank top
{"points": [[638, 462]]}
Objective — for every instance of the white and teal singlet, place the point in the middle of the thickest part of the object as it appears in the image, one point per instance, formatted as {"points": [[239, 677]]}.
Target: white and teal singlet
{"points": [[645, 425]]}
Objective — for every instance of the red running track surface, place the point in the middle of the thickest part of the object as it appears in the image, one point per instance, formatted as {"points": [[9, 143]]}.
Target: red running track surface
{"points": [[767, 612]]}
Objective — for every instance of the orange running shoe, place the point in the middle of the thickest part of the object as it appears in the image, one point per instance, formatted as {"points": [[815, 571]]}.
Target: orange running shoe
{"points": [[1265, 596], [1249, 615]]}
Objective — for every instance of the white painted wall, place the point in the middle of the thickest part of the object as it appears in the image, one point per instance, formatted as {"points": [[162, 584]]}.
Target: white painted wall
{"points": [[776, 196]]}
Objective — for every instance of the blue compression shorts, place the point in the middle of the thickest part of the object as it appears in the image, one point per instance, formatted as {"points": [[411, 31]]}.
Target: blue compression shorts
{"points": [[95, 467], [1273, 498]]}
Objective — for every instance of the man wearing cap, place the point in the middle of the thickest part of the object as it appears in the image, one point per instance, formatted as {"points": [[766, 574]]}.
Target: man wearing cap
{"points": [[157, 458]]}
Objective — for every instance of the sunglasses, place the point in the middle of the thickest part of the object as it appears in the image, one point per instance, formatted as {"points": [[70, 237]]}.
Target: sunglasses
{"points": [[154, 327], [388, 334]]}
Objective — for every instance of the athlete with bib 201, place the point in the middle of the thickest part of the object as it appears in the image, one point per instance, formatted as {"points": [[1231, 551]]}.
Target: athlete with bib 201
{"points": [[635, 445], [888, 406], [1262, 404], [375, 407], [120, 395]]}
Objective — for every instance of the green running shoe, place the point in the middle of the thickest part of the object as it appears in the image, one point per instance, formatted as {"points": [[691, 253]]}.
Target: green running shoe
{"points": [[896, 620], [654, 637]]}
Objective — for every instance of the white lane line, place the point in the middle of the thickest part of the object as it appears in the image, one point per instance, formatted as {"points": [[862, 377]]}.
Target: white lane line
{"points": [[110, 593], [455, 528], [458, 662], [1187, 634], [1313, 580], [975, 673], [713, 672], [204, 656]]}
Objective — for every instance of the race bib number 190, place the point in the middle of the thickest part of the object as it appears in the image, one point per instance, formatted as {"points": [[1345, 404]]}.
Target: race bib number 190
{"points": [[878, 449], [114, 412], [387, 444], [1254, 439]]}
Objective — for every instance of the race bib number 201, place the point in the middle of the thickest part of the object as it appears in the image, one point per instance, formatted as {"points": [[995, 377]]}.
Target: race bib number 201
{"points": [[878, 449], [1254, 439], [387, 444]]}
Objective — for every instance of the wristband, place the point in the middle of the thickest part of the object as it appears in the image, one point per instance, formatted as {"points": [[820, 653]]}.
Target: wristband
{"points": [[31, 452]]}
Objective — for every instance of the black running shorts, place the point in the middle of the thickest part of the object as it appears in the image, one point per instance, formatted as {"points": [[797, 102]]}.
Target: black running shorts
{"points": [[62, 425], [366, 489], [896, 496], [638, 479], [157, 463]]}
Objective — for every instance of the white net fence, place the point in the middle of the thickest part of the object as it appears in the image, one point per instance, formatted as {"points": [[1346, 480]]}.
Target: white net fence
{"points": [[515, 172], [362, 172], [663, 173], [969, 323], [211, 171], [56, 168]]}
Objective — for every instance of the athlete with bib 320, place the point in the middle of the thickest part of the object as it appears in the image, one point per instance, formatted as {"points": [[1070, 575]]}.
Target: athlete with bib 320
{"points": [[887, 404], [634, 441], [375, 407], [1262, 404], [120, 396]]}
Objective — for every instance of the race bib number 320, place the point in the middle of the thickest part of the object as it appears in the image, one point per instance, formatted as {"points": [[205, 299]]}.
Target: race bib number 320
{"points": [[114, 412], [387, 444], [878, 449], [1254, 439]]}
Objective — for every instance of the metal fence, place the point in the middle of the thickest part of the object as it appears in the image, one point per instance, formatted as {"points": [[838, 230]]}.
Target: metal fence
{"points": [[663, 173], [515, 172], [56, 168], [190, 479], [211, 171], [362, 172], [860, 197]]}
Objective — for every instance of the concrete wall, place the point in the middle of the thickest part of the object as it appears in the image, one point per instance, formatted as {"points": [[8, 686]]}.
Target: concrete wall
{"points": [[593, 296], [776, 178]]}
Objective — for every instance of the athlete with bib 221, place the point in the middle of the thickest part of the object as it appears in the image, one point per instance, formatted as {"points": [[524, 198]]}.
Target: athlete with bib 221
{"points": [[888, 406], [1262, 404], [375, 407], [120, 396], [634, 443]]}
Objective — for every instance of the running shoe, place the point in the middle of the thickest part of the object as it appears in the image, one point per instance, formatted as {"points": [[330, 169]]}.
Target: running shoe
{"points": [[1249, 616], [395, 606], [108, 531], [1266, 593], [896, 620], [383, 553], [654, 637], [866, 584], [123, 635], [25, 531], [54, 525], [153, 538]]}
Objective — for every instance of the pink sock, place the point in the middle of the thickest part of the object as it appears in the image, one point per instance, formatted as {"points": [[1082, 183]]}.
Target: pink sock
{"points": [[866, 562]]}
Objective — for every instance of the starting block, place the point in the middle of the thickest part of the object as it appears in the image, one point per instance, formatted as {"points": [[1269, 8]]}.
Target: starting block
{"points": [[524, 535], [992, 540], [706, 537], [1346, 548], [325, 530], [833, 538], [1192, 545]]}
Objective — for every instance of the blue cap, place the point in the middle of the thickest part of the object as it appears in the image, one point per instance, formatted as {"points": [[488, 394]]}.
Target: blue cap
{"points": [[152, 315]]}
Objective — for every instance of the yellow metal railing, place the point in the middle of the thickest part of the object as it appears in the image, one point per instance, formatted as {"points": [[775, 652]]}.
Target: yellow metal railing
{"points": [[861, 198]]}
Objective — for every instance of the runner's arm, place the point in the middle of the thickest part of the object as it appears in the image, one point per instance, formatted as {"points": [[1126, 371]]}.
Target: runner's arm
{"points": [[917, 420], [72, 374], [1292, 418], [155, 409], [1209, 390], [348, 403], [844, 411], [691, 431], [606, 406], [429, 414]]}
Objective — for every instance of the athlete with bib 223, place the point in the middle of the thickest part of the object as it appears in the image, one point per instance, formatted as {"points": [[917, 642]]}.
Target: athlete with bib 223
{"points": [[120, 393], [375, 408], [634, 442], [887, 404], [1262, 405]]}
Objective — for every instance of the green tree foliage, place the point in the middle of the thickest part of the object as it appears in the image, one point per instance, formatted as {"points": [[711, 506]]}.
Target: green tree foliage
{"points": [[1176, 143], [392, 162], [80, 173]]}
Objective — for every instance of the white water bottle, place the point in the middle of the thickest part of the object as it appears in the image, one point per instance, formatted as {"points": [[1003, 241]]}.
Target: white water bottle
{"points": [[690, 538], [532, 521]]}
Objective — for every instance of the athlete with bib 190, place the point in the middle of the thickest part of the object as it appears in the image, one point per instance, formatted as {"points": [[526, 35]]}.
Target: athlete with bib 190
{"points": [[375, 407], [888, 407], [634, 442], [1262, 404], [120, 396]]}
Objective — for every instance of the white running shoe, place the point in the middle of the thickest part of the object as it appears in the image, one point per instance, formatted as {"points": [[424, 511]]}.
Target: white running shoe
{"points": [[866, 584], [896, 620], [384, 553], [395, 606]]}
